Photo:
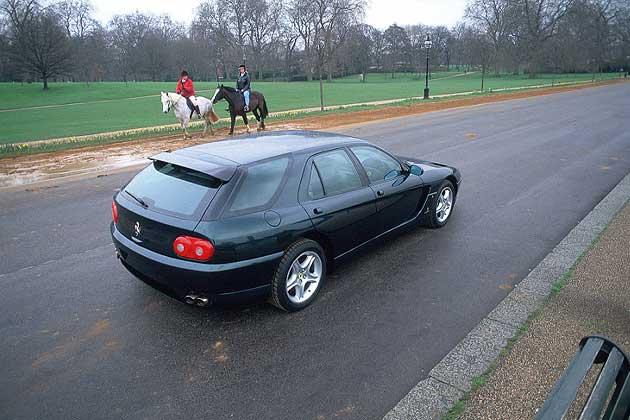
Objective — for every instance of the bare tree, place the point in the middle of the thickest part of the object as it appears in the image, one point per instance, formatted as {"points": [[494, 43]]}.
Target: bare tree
{"points": [[237, 12], [301, 14], [289, 38], [128, 34], [398, 48], [359, 48], [496, 19], [211, 31], [538, 23], [86, 36], [332, 20], [378, 49], [37, 39], [263, 28]]}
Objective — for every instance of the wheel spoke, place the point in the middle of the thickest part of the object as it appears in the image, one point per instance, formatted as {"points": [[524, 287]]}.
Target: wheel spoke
{"points": [[292, 282], [295, 268], [306, 264]]}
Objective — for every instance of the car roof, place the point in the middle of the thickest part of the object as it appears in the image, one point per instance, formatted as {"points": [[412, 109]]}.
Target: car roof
{"points": [[249, 149], [221, 159]]}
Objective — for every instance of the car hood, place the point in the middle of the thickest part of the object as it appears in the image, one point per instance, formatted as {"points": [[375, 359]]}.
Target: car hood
{"points": [[425, 164]]}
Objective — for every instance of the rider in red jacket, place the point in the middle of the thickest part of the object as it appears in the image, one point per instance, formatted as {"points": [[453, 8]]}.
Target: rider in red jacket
{"points": [[187, 90]]}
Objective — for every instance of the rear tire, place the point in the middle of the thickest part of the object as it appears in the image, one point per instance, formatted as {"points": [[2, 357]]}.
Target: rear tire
{"points": [[299, 277], [441, 209]]}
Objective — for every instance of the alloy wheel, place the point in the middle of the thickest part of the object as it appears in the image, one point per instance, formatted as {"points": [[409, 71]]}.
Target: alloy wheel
{"points": [[304, 276]]}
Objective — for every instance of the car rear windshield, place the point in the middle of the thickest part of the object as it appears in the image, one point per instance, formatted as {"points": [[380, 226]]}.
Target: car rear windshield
{"points": [[173, 190]]}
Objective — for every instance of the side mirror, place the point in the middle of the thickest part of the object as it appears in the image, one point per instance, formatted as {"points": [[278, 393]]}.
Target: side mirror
{"points": [[415, 170]]}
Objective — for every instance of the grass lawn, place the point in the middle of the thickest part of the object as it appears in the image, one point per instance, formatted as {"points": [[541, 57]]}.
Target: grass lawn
{"points": [[115, 106]]}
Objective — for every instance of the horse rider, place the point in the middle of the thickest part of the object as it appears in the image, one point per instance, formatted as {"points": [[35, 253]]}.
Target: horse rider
{"points": [[187, 90], [242, 84]]}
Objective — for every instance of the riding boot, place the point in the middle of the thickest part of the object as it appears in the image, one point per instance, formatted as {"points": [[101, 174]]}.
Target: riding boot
{"points": [[198, 111]]}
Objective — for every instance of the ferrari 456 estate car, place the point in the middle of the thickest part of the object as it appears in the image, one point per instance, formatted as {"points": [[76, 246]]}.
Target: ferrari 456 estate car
{"points": [[267, 215]]}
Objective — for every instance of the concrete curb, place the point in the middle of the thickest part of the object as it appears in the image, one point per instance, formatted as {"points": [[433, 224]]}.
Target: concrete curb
{"points": [[451, 378]]}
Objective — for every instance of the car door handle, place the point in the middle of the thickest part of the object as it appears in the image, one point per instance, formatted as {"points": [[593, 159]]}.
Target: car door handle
{"points": [[380, 193], [318, 210]]}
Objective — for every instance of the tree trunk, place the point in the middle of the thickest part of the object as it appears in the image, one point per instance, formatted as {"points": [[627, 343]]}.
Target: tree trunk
{"points": [[45, 78], [321, 89]]}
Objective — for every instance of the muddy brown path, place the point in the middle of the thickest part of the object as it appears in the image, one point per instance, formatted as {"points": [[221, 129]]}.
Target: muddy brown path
{"points": [[70, 164]]}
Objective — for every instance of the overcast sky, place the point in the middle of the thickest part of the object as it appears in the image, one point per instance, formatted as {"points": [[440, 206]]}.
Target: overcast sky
{"points": [[380, 13]]}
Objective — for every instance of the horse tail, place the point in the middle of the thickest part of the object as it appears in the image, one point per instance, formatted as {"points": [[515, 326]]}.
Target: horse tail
{"points": [[265, 111]]}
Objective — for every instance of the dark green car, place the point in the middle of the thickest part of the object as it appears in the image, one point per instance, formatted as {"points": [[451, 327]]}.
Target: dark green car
{"points": [[268, 215]]}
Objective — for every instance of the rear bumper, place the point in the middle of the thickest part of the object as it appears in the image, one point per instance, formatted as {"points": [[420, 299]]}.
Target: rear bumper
{"points": [[218, 282]]}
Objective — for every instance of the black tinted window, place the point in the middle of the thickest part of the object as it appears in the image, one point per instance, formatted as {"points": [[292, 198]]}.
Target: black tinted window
{"points": [[260, 184], [315, 189], [173, 189], [337, 172], [378, 165]]}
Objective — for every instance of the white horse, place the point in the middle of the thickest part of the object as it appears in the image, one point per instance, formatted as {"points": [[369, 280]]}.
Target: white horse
{"points": [[182, 112]]}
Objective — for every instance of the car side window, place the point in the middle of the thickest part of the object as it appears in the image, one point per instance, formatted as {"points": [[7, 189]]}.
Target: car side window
{"points": [[260, 184], [315, 189], [378, 165], [337, 172]]}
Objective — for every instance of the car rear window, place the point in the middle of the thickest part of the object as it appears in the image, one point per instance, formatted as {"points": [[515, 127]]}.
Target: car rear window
{"points": [[173, 189], [260, 185]]}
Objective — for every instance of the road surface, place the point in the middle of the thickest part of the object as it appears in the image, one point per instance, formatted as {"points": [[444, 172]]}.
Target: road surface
{"points": [[81, 338]]}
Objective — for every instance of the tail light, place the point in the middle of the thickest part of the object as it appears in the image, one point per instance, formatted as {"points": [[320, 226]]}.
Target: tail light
{"points": [[193, 248], [114, 212]]}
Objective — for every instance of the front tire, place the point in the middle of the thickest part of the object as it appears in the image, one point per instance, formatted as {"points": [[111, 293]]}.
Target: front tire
{"points": [[299, 277], [442, 207]]}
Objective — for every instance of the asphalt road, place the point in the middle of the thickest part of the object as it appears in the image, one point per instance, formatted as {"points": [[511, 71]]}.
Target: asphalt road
{"points": [[80, 337]]}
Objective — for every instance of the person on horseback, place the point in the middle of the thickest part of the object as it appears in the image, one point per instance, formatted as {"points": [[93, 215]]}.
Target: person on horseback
{"points": [[243, 85], [187, 90]]}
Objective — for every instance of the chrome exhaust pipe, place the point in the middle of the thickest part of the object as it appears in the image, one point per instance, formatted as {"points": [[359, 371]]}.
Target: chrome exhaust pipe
{"points": [[201, 301], [193, 299]]}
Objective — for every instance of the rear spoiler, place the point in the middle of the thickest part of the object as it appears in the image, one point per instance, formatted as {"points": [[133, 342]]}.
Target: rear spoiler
{"points": [[216, 168]]}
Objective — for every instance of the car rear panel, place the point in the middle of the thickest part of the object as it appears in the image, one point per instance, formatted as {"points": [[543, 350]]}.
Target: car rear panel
{"points": [[150, 229], [178, 277]]}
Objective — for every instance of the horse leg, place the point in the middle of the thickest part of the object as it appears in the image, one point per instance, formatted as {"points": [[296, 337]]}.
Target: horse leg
{"points": [[255, 112], [208, 123], [186, 134], [246, 123], [232, 122], [184, 129]]}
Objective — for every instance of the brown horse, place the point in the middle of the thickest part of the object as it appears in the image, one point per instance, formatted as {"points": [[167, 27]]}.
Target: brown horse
{"points": [[236, 103]]}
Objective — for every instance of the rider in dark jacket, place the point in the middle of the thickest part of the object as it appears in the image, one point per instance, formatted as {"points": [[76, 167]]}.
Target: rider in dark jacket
{"points": [[242, 84]]}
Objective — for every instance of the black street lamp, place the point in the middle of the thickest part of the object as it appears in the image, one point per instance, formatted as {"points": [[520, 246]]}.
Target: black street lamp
{"points": [[427, 46]]}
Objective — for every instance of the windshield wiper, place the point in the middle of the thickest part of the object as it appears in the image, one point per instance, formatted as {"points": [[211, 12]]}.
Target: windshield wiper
{"points": [[139, 200]]}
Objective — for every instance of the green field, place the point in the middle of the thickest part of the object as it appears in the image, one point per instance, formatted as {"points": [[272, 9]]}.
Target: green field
{"points": [[75, 108]]}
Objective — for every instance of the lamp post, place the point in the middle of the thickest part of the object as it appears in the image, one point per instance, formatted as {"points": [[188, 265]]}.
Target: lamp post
{"points": [[427, 46]]}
